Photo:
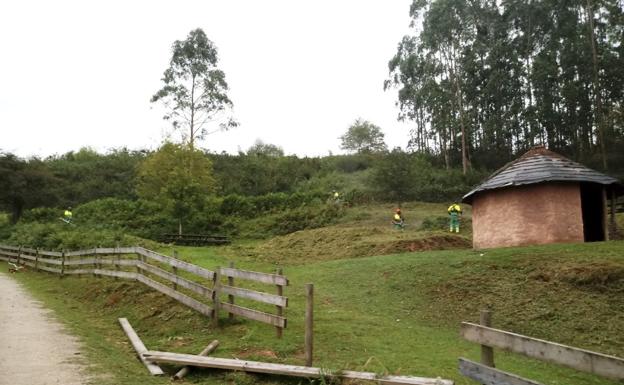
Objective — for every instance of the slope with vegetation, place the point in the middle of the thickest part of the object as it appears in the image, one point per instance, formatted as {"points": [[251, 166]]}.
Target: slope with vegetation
{"points": [[396, 313]]}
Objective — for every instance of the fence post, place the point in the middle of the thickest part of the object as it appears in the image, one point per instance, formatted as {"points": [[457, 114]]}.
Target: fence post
{"points": [[94, 261], [37, 259], [280, 310], [175, 269], [487, 352], [62, 263], [216, 288], [19, 252], [118, 257], [230, 296], [309, 323]]}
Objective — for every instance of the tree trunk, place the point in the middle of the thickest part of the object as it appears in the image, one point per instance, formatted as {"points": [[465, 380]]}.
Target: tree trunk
{"points": [[179, 226], [192, 123], [598, 106]]}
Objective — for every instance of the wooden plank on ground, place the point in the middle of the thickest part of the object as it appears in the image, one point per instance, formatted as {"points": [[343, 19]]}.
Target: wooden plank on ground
{"points": [[140, 348], [186, 300], [255, 295], [185, 370], [489, 376], [580, 359], [286, 370], [273, 279], [254, 314], [189, 267], [185, 283]]}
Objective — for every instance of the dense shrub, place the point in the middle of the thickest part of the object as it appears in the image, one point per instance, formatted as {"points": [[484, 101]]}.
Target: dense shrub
{"points": [[51, 236], [304, 217]]}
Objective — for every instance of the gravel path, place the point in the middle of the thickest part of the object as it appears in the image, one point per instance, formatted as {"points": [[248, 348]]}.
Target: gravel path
{"points": [[34, 347]]}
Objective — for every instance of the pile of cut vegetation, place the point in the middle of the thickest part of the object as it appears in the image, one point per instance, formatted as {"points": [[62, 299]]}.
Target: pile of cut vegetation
{"points": [[339, 242]]}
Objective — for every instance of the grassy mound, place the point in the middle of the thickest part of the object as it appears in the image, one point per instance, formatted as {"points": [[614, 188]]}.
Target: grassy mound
{"points": [[339, 242]]}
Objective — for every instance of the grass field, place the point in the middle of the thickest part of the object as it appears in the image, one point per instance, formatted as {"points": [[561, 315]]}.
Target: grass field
{"points": [[395, 314]]}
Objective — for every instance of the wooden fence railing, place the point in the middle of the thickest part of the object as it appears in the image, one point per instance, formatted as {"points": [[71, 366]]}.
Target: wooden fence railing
{"points": [[194, 286], [584, 360]]}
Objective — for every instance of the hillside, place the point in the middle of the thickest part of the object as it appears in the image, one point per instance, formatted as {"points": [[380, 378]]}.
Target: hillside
{"points": [[397, 313], [362, 231]]}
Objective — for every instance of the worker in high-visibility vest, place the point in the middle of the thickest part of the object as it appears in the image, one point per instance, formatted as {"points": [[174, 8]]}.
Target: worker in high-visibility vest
{"points": [[68, 215], [455, 213], [397, 220]]}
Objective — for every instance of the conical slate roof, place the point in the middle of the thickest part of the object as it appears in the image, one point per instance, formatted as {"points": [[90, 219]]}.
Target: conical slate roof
{"points": [[541, 165]]}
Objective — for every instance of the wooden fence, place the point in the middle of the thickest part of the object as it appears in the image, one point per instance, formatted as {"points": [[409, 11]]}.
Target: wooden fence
{"points": [[194, 286], [584, 360]]}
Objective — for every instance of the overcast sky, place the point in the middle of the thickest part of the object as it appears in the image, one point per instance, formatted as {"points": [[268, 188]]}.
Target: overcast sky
{"points": [[81, 73]]}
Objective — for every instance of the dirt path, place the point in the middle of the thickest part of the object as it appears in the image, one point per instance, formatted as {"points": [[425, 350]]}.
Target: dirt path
{"points": [[34, 347]]}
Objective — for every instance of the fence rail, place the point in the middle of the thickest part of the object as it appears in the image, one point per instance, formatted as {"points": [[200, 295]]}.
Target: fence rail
{"points": [[580, 359], [200, 289]]}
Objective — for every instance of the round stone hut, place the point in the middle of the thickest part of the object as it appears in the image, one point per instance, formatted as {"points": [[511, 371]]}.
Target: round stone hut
{"points": [[542, 197]]}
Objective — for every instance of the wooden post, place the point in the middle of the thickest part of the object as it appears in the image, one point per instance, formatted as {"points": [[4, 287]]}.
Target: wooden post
{"points": [[309, 323], [139, 259], [613, 223], [175, 269], [185, 370], [118, 257], [62, 264], [94, 260], [19, 252], [37, 259], [216, 289], [230, 296], [605, 223], [280, 310], [487, 352]]}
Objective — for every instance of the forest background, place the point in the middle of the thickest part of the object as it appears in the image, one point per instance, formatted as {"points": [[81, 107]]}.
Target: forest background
{"points": [[481, 82]]}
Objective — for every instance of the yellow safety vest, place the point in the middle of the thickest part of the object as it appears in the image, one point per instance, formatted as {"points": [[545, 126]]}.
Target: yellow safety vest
{"points": [[454, 207], [397, 217], [68, 214]]}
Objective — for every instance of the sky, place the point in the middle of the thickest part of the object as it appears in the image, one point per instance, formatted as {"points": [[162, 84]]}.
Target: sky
{"points": [[79, 74]]}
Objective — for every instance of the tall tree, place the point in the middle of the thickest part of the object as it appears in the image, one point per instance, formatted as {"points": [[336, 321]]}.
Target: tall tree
{"points": [[363, 136], [195, 90]]}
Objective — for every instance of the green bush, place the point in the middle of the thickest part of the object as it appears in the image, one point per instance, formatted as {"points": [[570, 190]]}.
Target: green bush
{"points": [[52, 236]]}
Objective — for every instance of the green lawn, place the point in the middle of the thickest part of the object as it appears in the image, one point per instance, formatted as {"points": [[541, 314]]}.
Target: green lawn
{"points": [[396, 314]]}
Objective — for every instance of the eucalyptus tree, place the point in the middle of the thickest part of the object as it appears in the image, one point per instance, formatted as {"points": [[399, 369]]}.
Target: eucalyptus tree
{"points": [[195, 90]]}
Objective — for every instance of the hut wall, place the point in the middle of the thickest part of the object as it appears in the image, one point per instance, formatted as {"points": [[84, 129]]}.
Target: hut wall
{"points": [[527, 215]]}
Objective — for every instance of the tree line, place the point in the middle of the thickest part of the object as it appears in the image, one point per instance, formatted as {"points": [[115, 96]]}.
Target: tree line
{"points": [[483, 80]]}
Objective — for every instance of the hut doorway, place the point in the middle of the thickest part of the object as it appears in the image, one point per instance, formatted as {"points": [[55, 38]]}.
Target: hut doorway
{"points": [[593, 212]]}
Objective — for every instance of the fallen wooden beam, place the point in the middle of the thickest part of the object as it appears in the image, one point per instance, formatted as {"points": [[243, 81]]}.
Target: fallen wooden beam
{"points": [[286, 370], [185, 370], [140, 348]]}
